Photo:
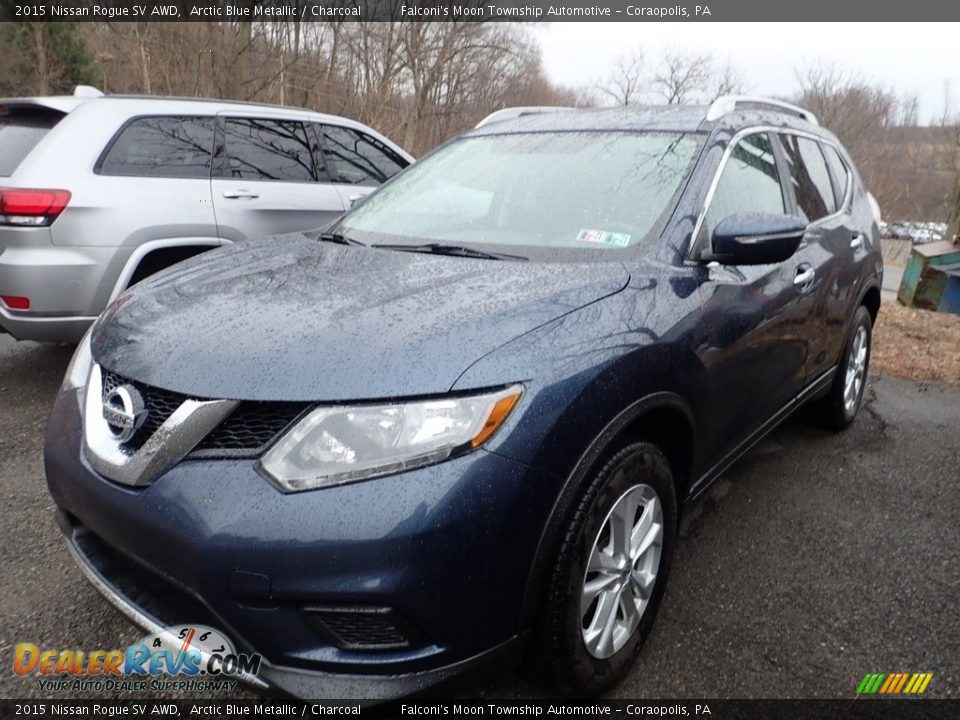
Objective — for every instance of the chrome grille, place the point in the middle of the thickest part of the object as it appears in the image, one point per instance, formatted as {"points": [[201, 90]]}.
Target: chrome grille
{"points": [[160, 403], [246, 432]]}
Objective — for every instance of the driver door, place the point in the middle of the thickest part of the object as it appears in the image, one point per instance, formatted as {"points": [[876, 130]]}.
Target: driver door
{"points": [[753, 340]]}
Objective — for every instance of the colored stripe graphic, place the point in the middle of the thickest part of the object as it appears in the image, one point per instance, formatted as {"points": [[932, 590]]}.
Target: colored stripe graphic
{"points": [[862, 687], [870, 683], [903, 679], [894, 683], [890, 682]]}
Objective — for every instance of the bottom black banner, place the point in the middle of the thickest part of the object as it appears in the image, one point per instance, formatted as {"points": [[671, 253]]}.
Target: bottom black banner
{"points": [[899, 709]]}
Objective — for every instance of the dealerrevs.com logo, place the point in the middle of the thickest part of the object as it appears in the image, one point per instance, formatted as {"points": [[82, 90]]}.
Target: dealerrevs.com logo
{"points": [[184, 657]]}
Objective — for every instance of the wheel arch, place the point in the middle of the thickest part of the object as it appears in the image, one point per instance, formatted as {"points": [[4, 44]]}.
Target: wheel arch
{"points": [[181, 247], [870, 298], [663, 418]]}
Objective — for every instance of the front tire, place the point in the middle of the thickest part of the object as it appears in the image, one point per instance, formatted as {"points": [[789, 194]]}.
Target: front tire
{"points": [[609, 576], [838, 409]]}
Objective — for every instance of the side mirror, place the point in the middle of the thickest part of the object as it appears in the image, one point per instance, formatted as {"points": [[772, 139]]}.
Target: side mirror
{"points": [[756, 238]]}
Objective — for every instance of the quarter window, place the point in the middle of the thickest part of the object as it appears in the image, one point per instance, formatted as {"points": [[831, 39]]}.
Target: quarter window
{"points": [[749, 182], [809, 177], [841, 175], [357, 158], [158, 147], [262, 149]]}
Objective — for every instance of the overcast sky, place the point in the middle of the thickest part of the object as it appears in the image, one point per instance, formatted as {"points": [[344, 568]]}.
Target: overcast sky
{"points": [[912, 58]]}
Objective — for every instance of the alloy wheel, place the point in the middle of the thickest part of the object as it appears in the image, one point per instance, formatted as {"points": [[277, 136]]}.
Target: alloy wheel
{"points": [[621, 571], [856, 369]]}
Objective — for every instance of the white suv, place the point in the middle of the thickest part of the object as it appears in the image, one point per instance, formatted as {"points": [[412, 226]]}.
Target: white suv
{"points": [[98, 192]]}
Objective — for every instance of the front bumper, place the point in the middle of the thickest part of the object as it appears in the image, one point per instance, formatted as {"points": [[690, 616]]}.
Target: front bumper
{"points": [[448, 547], [294, 681]]}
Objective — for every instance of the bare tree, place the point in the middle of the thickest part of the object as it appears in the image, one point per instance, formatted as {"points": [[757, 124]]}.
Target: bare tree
{"points": [[682, 76], [728, 81], [908, 111], [624, 83], [953, 220], [40, 54], [947, 102], [909, 169], [849, 105]]}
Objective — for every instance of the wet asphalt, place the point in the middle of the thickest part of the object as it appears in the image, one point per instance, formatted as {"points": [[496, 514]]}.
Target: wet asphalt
{"points": [[816, 559]]}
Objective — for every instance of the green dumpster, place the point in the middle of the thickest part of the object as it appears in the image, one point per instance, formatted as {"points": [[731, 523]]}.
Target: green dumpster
{"points": [[924, 281]]}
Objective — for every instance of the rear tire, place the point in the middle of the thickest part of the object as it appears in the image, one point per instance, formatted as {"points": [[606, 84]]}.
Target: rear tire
{"points": [[838, 409], [609, 575]]}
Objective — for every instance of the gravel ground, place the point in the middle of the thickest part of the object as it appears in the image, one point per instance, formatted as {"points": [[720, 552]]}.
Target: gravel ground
{"points": [[917, 344], [817, 558]]}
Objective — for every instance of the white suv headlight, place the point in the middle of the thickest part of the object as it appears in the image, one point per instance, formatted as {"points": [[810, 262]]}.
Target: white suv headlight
{"points": [[344, 443], [79, 368]]}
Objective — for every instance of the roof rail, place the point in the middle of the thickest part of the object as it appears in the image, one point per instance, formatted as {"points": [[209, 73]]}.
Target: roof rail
{"points": [[728, 103], [514, 112], [87, 91]]}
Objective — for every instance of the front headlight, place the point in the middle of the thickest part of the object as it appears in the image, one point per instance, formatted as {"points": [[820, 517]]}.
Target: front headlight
{"points": [[79, 368], [345, 443]]}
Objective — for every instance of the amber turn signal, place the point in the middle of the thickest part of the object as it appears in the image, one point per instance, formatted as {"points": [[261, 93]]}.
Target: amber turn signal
{"points": [[501, 409]]}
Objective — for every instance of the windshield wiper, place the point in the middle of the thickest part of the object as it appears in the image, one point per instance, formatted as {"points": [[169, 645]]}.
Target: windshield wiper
{"points": [[339, 239], [454, 250]]}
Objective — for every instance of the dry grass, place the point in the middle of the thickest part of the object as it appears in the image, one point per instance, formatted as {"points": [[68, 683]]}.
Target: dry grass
{"points": [[917, 344]]}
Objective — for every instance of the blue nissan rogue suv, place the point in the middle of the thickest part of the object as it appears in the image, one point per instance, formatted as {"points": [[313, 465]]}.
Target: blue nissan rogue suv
{"points": [[464, 420]]}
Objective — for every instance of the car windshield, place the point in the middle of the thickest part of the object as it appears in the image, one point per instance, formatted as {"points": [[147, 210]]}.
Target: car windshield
{"points": [[552, 190]]}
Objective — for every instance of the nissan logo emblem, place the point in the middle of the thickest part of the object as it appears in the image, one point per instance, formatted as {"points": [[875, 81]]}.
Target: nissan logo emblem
{"points": [[124, 410]]}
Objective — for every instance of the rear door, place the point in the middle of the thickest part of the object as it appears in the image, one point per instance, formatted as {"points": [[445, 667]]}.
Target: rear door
{"points": [[856, 249], [153, 180], [270, 178], [359, 162], [825, 253]]}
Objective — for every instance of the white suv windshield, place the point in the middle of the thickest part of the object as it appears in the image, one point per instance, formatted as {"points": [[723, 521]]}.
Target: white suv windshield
{"points": [[589, 190]]}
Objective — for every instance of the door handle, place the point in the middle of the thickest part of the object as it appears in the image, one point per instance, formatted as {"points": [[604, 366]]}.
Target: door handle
{"points": [[804, 278], [856, 243], [240, 195]]}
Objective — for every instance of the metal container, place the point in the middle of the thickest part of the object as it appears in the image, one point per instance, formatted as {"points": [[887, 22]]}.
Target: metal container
{"points": [[925, 279]]}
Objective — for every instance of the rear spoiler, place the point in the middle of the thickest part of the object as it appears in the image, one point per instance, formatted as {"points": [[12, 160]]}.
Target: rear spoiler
{"points": [[60, 103]]}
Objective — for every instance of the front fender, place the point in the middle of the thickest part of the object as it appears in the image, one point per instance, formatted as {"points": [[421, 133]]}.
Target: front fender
{"points": [[584, 369]]}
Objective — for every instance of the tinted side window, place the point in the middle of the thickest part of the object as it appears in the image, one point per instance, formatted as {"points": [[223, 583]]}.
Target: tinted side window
{"points": [[749, 182], [262, 149], [810, 178], [20, 131], [172, 147], [357, 158], [840, 173]]}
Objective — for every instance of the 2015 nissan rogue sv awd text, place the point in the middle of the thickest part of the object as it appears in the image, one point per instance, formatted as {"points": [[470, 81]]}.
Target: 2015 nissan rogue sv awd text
{"points": [[465, 419]]}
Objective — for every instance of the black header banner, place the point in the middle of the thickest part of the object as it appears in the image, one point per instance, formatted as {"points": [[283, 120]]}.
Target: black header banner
{"points": [[854, 709], [483, 11]]}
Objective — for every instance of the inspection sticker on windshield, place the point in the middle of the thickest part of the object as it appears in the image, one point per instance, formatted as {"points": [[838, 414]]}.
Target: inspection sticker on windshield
{"points": [[602, 237]]}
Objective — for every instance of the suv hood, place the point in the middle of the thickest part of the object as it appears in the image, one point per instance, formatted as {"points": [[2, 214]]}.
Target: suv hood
{"points": [[293, 318]]}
